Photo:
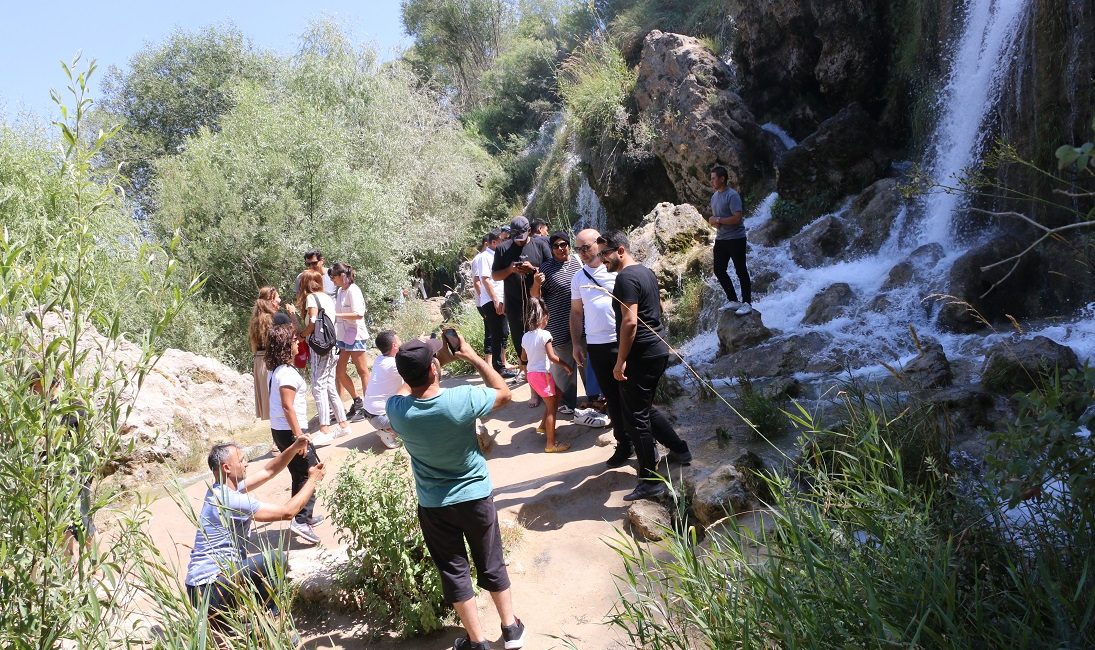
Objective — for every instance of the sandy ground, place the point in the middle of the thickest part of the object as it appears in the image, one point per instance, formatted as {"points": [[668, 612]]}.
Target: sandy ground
{"points": [[562, 569]]}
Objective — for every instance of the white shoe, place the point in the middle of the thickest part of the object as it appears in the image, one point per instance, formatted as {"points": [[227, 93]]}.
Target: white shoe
{"points": [[304, 531], [322, 439], [388, 438], [343, 432], [733, 304], [745, 308], [590, 418], [565, 410]]}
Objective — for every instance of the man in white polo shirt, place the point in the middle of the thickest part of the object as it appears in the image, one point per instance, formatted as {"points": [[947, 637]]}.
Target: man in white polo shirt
{"points": [[488, 293], [383, 383]]}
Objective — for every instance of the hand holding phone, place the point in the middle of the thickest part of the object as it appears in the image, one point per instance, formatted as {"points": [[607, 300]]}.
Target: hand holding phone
{"points": [[452, 339]]}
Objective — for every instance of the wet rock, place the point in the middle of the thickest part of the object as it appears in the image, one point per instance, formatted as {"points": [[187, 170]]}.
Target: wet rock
{"points": [[740, 332], [873, 213], [674, 241], [913, 267], [930, 368], [649, 519], [314, 571], [725, 492], [838, 159], [828, 304], [969, 286], [1012, 366], [762, 280], [880, 304], [782, 356], [961, 408], [819, 242], [687, 94]]}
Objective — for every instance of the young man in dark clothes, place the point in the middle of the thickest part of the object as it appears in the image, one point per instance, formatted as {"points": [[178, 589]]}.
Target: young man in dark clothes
{"points": [[515, 260], [726, 215], [640, 362]]}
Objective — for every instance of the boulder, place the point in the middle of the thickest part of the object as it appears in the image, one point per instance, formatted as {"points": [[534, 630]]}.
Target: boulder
{"points": [[913, 267], [873, 214], [686, 93], [782, 356], [828, 304], [740, 332], [961, 408], [627, 179], [605, 440], [315, 573], [725, 492], [930, 368], [838, 159], [974, 299], [649, 519], [1012, 366], [819, 242]]}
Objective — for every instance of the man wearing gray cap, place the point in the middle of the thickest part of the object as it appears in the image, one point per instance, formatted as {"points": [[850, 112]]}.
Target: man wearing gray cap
{"points": [[515, 261], [455, 505]]}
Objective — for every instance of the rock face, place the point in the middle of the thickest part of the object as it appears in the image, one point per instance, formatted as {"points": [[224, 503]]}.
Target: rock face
{"points": [[828, 304], [819, 242], [673, 241], [930, 368], [1012, 366], [872, 215], [782, 356], [968, 283], [649, 519], [626, 181], [840, 158], [913, 267], [685, 91], [728, 490], [740, 332]]}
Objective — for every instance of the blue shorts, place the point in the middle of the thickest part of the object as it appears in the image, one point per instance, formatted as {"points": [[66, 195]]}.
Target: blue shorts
{"points": [[356, 346]]}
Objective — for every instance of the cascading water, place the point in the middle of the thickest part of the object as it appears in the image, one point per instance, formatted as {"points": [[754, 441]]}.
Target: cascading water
{"points": [[981, 57], [592, 213]]}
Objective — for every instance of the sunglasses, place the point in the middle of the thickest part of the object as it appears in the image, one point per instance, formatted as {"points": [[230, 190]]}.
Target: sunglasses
{"points": [[311, 263], [584, 249], [560, 245], [606, 252]]}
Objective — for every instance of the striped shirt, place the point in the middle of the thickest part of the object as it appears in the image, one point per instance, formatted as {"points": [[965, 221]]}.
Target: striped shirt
{"points": [[556, 294]]}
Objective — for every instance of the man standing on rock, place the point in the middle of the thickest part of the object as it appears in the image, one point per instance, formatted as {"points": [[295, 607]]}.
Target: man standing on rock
{"points": [[552, 284], [514, 263], [641, 360], [730, 244], [488, 293], [455, 506]]}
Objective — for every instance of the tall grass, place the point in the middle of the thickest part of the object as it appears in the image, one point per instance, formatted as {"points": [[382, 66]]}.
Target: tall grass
{"points": [[595, 84]]}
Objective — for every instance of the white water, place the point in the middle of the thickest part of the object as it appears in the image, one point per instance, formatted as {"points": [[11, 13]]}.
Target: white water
{"points": [[783, 136], [981, 57], [589, 206]]}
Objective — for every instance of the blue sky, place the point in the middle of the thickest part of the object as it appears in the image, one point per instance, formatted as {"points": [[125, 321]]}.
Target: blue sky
{"points": [[36, 35]]}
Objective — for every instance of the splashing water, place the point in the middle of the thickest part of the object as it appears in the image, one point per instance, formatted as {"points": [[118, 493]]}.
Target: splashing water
{"points": [[589, 206], [783, 136]]}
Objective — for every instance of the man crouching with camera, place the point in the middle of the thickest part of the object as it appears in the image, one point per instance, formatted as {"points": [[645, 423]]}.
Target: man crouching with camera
{"points": [[437, 426]]}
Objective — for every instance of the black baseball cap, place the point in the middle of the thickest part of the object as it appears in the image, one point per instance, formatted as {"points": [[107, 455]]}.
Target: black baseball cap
{"points": [[558, 236], [518, 228], [281, 318], [414, 359]]}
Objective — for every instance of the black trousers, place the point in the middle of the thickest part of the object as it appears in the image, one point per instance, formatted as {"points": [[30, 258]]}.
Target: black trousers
{"points": [[445, 529], [298, 468], [725, 251], [646, 423], [601, 359], [494, 335], [515, 316], [221, 594]]}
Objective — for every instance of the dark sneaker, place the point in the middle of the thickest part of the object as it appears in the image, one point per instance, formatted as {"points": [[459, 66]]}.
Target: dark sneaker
{"points": [[680, 457], [357, 417], [646, 490], [464, 643], [507, 374], [514, 635], [355, 408], [619, 457]]}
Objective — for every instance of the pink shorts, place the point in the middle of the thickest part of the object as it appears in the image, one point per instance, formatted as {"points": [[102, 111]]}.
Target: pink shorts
{"points": [[542, 383]]}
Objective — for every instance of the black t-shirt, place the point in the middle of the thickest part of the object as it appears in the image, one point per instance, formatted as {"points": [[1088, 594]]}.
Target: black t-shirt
{"points": [[638, 285], [517, 285]]}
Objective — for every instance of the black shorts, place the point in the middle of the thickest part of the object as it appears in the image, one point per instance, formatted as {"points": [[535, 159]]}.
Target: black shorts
{"points": [[445, 530]]}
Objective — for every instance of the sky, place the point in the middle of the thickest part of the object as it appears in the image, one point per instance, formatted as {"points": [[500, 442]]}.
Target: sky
{"points": [[36, 35]]}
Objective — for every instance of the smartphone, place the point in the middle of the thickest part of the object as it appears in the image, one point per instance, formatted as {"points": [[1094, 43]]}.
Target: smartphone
{"points": [[452, 339]]}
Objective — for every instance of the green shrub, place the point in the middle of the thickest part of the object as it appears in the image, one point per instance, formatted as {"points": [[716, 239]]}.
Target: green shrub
{"points": [[684, 319], [390, 572], [595, 84], [470, 325], [759, 411]]}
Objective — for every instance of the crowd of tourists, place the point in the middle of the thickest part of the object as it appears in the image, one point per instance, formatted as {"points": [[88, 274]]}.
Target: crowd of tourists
{"points": [[596, 315]]}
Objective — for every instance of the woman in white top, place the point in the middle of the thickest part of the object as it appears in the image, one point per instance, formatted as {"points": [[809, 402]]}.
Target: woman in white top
{"points": [[310, 300], [352, 336]]}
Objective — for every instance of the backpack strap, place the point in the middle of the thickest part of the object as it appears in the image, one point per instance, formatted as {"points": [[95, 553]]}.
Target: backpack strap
{"points": [[592, 278]]}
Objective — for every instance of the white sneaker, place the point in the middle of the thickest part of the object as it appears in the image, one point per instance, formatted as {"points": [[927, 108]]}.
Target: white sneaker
{"points": [[388, 438], [304, 531], [322, 439], [745, 308], [590, 418], [733, 304], [343, 432]]}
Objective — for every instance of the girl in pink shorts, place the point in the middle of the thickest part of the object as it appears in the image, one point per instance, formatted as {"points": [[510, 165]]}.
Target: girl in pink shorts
{"points": [[538, 353]]}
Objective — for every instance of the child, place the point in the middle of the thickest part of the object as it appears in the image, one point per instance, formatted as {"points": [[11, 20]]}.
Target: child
{"points": [[538, 353]]}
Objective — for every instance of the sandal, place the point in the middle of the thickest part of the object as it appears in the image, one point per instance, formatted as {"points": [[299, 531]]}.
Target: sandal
{"points": [[558, 447], [540, 430]]}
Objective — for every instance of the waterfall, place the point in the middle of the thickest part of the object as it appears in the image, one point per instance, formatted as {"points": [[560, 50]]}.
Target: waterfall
{"points": [[981, 57], [777, 130], [589, 206]]}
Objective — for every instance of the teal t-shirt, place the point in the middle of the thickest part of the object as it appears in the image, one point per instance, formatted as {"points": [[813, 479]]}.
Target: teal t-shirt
{"points": [[439, 434]]}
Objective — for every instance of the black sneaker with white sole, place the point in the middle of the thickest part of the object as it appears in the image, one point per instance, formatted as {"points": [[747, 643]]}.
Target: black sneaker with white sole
{"points": [[619, 457], [514, 635], [464, 643]]}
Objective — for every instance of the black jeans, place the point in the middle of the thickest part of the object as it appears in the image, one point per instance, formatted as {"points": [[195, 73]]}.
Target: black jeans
{"points": [[602, 358], [298, 468], [222, 593], [646, 422], [515, 316], [494, 336], [725, 251]]}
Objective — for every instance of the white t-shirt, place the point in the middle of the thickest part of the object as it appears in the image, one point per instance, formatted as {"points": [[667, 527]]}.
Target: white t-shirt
{"points": [[534, 343], [350, 300], [600, 319], [383, 383], [325, 302], [481, 268], [287, 376]]}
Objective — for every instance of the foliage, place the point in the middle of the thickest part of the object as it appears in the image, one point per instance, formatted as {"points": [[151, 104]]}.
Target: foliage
{"points": [[760, 411], [390, 572], [469, 323], [595, 84], [683, 320], [631, 20]]}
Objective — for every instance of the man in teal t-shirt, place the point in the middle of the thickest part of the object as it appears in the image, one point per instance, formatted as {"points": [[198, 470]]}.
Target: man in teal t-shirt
{"points": [[437, 426]]}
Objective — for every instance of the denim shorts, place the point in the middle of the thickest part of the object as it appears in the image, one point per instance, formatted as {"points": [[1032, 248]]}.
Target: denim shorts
{"points": [[356, 346]]}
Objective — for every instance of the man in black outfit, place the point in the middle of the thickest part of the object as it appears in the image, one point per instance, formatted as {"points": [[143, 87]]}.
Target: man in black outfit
{"points": [[515, 260], [640, 362]]}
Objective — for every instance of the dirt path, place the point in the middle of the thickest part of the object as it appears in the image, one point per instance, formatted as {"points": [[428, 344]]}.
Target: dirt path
{"points": [[561, 568]]}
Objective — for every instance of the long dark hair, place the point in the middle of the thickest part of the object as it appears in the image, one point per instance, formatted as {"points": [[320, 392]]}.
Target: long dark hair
{"points": [[342, 268], [280, 346]]}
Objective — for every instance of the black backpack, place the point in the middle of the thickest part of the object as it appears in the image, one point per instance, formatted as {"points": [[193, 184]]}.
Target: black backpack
{"points": [[322, 338]]}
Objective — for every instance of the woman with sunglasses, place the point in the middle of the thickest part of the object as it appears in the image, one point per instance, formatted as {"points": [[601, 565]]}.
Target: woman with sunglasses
{"points": [[552, 284]]}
